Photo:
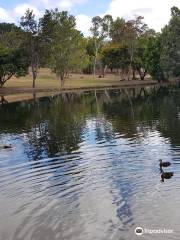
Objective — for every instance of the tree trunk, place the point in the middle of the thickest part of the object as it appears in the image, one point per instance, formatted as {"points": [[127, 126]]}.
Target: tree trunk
{"points": [[134, 74], [33, 74], [104, 71], [95, 58], [34, 61], [131, 61], [4, 79], [94, 67], [62, 79], [142, 74], [34, 68], [34, 81], [2, 82]]}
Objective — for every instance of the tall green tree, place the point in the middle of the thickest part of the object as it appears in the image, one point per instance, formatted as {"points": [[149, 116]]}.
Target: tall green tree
{"points": [[31, 40], [47, 24], [134, 29], [153, 58], [116, 57], [10, 35], [13, 55], [13, 62], [127, 33], [118, 31], [170, 42], [88, 69], [100, 31], [67, 46], [139, 62]]}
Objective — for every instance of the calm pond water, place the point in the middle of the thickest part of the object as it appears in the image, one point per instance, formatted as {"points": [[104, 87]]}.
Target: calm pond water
{"points": [[84, 166]]}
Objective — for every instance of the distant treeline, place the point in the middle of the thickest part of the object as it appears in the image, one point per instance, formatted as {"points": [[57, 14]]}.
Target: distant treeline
{"points": [[128, 48]]}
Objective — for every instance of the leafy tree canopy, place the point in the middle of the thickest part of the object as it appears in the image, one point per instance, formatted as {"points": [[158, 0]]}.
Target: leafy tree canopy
{"points": [[12, 62]]}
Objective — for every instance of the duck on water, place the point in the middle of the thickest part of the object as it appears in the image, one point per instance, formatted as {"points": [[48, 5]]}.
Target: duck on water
{"points": [[166, 175], [7, 146], [163, 164]]}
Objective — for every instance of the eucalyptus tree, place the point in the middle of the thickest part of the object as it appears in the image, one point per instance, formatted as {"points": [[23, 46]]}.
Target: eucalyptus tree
{"points": [[47, 24], [90, 55], [118, 30], [162, 54], [139, 64], [100, 30], [66, 43], [170, 46], [127, 33], [134, 29], [31, 39], [153, 58], [10, 35], [116, 57]]}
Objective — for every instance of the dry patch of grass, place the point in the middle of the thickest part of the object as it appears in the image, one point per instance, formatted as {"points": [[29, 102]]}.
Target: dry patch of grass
{"points": [[18, 89], [48, 80]]}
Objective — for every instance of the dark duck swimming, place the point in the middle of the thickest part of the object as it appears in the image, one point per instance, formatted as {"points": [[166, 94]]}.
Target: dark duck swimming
{"points": [[166, 175], [163, 164], [9, 146]]}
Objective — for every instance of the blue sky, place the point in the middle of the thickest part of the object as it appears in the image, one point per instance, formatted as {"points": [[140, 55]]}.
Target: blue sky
{"points": [[156, 12], [91, 7]]}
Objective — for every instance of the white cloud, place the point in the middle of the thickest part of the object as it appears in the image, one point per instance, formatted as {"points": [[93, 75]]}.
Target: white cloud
{"points": [[156, 12], [83, 23], [20, 9], [61, 4], [14, 15], [67, 4], [38, 7], [4, 16]]}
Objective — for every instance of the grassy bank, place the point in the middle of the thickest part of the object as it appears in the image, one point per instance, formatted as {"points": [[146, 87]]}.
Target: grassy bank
{"points": [[17, 89], [47, 81]]}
